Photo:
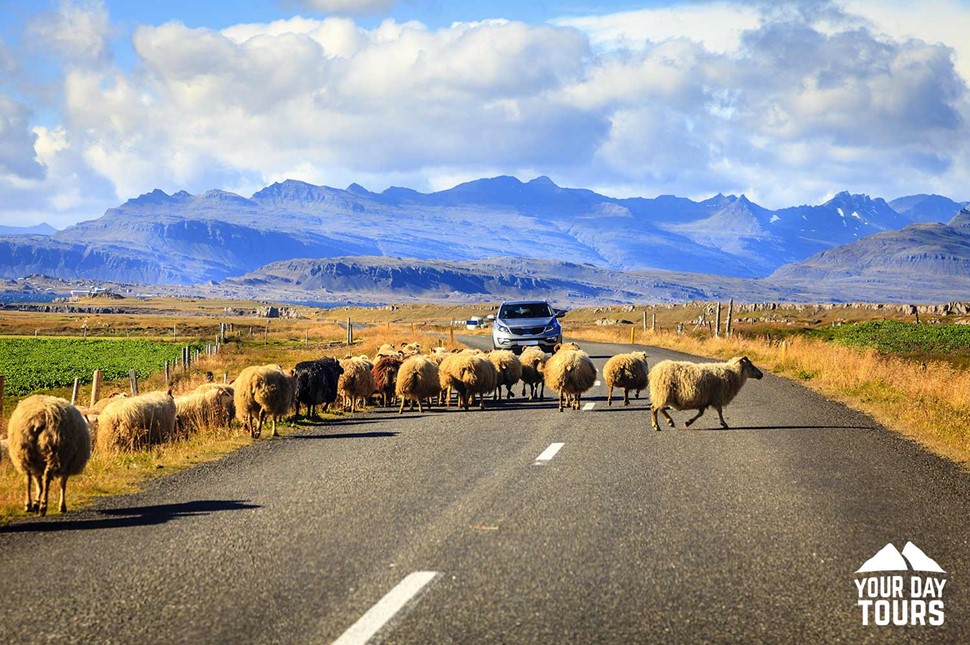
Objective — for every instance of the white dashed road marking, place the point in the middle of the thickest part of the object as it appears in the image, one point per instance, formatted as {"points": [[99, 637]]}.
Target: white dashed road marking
{"points": [[589, 406], [548, 453], [378, 615], [597, 383]]}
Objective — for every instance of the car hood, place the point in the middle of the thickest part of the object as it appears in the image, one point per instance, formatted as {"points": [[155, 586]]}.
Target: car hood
{"points": [[526, 322]]}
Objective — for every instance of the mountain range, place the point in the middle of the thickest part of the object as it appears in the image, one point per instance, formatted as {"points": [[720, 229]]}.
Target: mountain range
{"points": [[485, 228]]}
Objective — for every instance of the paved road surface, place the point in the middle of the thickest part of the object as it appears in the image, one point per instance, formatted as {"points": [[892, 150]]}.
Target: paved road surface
{"points": [[624, 535]]}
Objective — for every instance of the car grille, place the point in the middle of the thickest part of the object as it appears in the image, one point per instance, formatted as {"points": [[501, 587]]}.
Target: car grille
{"points": [[526, 331]]}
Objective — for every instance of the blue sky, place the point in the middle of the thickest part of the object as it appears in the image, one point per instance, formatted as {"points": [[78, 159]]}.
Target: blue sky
{"points": [[787, 102]]}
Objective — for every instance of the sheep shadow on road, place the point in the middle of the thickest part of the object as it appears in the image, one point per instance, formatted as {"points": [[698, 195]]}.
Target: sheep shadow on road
{"points": [[344, 435], [114, 518], [732, 428]]}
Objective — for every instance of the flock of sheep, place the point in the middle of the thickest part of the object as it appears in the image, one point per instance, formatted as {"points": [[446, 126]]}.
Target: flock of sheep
{"points": [[49, 438]]}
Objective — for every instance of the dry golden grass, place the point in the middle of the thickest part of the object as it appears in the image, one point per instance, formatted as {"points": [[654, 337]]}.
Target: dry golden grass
{"points": [[927, 402]]}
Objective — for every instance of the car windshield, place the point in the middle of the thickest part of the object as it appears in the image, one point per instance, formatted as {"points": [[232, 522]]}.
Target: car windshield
{"points": [[525, 310]]}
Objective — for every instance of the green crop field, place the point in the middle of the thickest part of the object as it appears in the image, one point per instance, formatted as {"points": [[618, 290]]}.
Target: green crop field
{"points": [[34, 364], [948, 342]]}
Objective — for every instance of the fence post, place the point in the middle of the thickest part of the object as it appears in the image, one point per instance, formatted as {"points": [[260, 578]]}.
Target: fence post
{"points": [[175, 335], [727, 325], [77, 382], [451, 335], [95, 387], [717, 321], [633, 331], [653, 325], [134, 382], [222, 332], [644, 320]]}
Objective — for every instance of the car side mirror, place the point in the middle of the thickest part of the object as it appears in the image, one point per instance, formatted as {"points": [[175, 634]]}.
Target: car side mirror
{"points": [[560, 313]]}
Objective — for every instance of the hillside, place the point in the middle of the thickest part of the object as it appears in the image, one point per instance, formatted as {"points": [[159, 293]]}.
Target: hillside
{"points": [[191, 239]]}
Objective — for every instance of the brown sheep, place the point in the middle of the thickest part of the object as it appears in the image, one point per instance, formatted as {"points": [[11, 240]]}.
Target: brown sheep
{"points": [[262, 391], [385, 374]]}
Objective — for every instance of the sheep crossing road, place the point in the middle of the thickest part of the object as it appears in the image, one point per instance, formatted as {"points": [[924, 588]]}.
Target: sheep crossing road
{"points": [[513, 524]]}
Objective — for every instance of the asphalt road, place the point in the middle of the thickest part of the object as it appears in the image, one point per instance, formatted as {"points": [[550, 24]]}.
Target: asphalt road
{"points": [[751, 534]]}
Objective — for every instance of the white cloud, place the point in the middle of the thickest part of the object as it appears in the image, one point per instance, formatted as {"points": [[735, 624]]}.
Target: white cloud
{"points": [[77, 31], [786, 105]]}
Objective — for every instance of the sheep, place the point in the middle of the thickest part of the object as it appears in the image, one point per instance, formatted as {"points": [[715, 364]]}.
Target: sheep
{"points": [[47, 437], [261, 391], [410, 349], [209, 405], [315, 383], [385, 374], [357, 381], [570, 372], [417, 379], [135, 422], [508, 370], [386, 350], [628, 372], [487, 379], [533, 362], [468, 374], [682, 385]]}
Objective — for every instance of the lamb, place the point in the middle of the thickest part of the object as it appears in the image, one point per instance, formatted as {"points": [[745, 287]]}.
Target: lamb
{"points": [[570, 372], [210, 405], [47, 437], [417, 379], [533, 362], [628, 372], [682, 385], [508, 370], [385, 375], [357, 381], [136, 422], [315, 383], [261, 391]]}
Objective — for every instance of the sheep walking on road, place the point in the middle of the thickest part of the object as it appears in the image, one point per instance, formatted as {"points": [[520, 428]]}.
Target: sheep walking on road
{"points": [[533, 362], [417, 380], [262, 391], [47, 437], [683, 385], [627, 372], [385, 375], [570, 371], [316, 384], [357, 381], [508, 370]]}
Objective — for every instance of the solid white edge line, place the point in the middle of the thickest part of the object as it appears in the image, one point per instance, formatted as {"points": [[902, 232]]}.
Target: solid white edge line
{"points": [[377, 616], [549, 452], [588, 406]]}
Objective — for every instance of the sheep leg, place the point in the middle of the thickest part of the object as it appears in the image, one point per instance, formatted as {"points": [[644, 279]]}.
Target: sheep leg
{"points": [[653, 419], [48, 476], [576, 402], [403, 401], [29, 505], [626, 396], [696, 417], [420, 409], [523, 389], [721, 416], [275, 434], [259, 424], [560, 401], [509, 393], [63, 507], [609, 396], [542, 394]]}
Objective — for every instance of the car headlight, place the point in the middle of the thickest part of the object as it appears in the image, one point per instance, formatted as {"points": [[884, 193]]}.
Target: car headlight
{"points": [[551, 327], [502, 328]]}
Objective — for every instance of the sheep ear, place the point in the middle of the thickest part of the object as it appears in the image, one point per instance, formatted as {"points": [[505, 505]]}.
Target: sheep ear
{"points": [[169, 391], [556, 348]]}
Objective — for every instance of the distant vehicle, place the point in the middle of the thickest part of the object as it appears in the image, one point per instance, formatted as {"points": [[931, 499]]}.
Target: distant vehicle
{"points": [[524, 323], [475, 322]]}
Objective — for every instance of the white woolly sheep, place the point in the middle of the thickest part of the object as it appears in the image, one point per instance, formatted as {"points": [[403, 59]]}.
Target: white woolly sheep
{"points": [[209, 406], [262, 391], [683, 385], [508, 370], [627, 372], [467, 374], [385, 351], [46, 438], [410, 349], [533, 362], [357, 381], [570, 372], [417, 379], [130, 423]]}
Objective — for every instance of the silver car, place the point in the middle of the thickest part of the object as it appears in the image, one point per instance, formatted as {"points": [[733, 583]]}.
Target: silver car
{"points": [[521, 323]]}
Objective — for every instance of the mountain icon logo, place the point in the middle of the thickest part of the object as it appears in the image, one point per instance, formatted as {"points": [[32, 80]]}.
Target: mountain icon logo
{"points": [[912, 558]]}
